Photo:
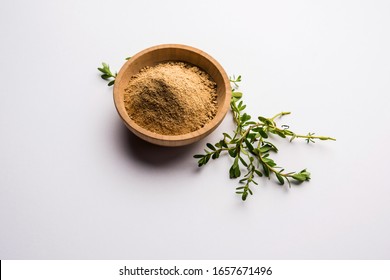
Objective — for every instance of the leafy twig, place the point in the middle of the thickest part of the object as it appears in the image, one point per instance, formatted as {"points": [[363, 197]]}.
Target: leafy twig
{"points": [[107, 74], [250, 147], [235, 80]]}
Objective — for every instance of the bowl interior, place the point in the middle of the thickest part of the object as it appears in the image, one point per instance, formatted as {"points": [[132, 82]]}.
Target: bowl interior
{"points": [[163, 53]]}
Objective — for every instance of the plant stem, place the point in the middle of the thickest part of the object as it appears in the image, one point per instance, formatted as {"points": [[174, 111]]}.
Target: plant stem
{"points": [[279, 115]]}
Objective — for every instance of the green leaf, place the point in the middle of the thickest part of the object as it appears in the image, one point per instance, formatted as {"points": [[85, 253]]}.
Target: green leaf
{"points": [[299, 177], [272, 146], [262, 133], [223, 144], [244, 196], [248, 145], [302, 176], [268, 161], [105, 76], [210, 146], [245, 117], [201, 162], [216, 155], [243, 162], [232, 152], [234, 171], [265, 149], [111, 83], [265, 169], [306, 174], [264, 120], [237, 94], [251, 136], [326, 138], [280, 178], [227, 135], [279, 133], [288, 132], [198, 156], [237, 172], [258, 173]]}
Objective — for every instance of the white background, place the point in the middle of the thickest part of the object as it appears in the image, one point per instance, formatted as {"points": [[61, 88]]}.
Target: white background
{"points": [[76, 184]]}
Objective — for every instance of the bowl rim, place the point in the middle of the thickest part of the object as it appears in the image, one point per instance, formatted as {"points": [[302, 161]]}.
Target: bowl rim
{"points": [[204, 131]]}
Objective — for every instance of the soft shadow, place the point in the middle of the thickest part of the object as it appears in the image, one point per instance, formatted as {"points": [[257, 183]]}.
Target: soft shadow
{"points": [[148, 153]]}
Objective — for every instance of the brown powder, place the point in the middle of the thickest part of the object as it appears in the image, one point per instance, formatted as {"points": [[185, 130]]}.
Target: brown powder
{"points": [[171, 98]]}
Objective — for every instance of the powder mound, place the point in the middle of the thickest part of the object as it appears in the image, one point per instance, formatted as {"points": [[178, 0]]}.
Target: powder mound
{"points": [[171, 98]]}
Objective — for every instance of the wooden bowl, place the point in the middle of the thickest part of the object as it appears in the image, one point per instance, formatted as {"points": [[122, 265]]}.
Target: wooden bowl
{"points": [[173, 52]]}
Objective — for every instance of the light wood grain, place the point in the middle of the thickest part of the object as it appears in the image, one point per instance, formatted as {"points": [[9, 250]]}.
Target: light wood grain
{"points": [[173, 52]]}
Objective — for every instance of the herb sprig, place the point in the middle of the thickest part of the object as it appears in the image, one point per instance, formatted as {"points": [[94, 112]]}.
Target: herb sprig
{"points": [[250, 147], [107, 74]]}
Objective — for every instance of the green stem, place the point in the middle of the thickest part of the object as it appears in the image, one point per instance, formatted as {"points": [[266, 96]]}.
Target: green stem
{"points": [[315, 137], [279, 115]]}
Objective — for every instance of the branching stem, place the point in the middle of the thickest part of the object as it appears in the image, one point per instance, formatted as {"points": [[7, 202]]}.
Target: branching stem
{"points": [[250, 138]]}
